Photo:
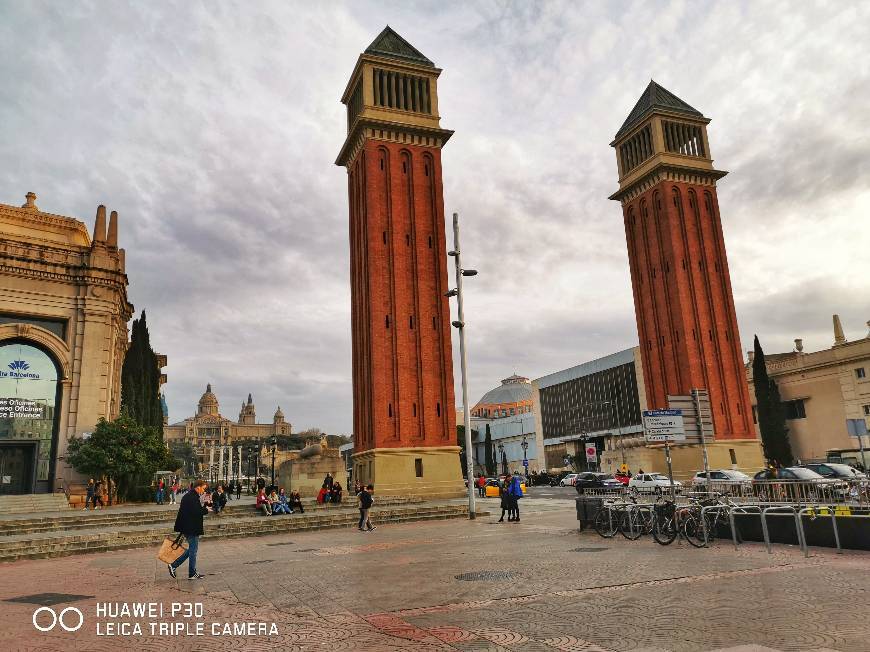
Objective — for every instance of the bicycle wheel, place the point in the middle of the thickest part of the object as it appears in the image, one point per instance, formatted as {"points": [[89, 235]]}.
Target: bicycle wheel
{"points": [[606, 522], [664, 531], [631, 524], [693, 530]]}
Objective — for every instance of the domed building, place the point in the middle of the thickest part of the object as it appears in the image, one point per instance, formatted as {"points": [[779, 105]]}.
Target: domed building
{"points": [[209, 430], [513, 396], [506, 411]]}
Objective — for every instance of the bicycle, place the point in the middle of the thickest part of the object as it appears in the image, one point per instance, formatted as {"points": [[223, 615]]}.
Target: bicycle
{"points": [[699, 527]]}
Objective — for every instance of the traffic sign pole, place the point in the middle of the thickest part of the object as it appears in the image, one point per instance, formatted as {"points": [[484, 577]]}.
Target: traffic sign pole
{"points": [[670, 470], [697, 401]]}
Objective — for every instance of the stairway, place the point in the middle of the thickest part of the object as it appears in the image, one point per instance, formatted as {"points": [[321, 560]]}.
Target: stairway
{"points": [[33, 503], [133, 533]]}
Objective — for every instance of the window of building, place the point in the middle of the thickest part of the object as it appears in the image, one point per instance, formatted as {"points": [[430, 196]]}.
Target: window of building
{"points": [[504, 413], [418, 467], [867, 410], [56, 326], [860, 373], [512, 411], [795, 409], [733, 455], [754, 414], [681, 138]]}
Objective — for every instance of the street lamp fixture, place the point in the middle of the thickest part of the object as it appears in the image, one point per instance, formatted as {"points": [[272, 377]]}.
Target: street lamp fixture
{"points": [[273, 442]]}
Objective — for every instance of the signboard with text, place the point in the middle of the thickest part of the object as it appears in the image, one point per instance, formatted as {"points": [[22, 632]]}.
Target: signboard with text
{"points": [[663, 425], [591, 453], [21, 408]]}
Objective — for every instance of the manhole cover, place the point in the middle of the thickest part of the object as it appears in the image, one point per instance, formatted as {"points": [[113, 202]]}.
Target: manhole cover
{"points": [[588, 549], [283, 543], [48, 599], [259, 561], [486, 576], [307, 550]]}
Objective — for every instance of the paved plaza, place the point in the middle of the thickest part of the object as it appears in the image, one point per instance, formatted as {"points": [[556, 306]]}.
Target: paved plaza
{"points": [[457, 585]]}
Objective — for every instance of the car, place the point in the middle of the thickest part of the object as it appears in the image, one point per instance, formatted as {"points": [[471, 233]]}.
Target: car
{"points": [[622, 478], [795, 483], [720, 478], [834, 470], [656, 483], [568, 480], [593, 480], [492, 488]]}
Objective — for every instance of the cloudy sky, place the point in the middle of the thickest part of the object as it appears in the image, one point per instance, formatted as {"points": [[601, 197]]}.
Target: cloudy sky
{"points": [[212, 127]]}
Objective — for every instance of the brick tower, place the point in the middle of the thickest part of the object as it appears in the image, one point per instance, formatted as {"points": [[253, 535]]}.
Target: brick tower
{"points": [[404, 417], [686, 321]]}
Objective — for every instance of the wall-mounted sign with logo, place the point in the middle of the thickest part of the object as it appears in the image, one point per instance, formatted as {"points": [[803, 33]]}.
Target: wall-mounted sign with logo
{"points": [[19, 369]]}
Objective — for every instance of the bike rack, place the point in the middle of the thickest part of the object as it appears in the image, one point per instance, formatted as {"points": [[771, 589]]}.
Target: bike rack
{"points": [[797, 522], [740, 509], [813, 512]]}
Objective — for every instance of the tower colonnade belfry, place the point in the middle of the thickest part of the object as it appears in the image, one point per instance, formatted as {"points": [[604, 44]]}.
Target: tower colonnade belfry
{"points": [[404, 416], [686, 319]]}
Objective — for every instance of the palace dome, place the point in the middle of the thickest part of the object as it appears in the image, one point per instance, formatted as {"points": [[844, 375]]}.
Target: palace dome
{"points": [[208, 404]]}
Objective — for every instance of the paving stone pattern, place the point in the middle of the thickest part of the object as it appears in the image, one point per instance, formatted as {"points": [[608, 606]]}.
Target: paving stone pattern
{"points": [[397, 589]]}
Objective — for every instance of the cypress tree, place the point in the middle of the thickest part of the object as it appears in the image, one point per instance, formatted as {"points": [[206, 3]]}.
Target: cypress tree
{"points": [[489, 452], [140, 379], [770, 412]]}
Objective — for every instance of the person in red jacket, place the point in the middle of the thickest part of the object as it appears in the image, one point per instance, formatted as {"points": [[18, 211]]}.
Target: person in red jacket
{"points": [[481, 486]]}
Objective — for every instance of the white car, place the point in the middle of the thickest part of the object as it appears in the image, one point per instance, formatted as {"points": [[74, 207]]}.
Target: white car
{"points": [[657, 483], [721, 478], [568, 480]]}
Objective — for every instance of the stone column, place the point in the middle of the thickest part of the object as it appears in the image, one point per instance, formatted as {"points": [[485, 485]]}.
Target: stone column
{"points": [[210, 460], [220, 472], [240, 463]]}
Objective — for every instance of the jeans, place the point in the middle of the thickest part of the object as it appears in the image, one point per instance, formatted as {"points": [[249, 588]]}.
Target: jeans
{"points": [[364, 521], [189, 555], [266, 509], [280, 508], [160, 496]]}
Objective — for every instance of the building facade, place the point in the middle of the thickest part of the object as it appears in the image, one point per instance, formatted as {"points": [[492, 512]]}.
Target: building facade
{"points": [[404, 413], [821, 390], [686, 320], [63, 337], [207, 430], [598, 403]]}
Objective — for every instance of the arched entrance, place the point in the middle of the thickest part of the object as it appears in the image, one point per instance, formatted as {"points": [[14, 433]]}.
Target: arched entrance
{"points": [[30, 394]]}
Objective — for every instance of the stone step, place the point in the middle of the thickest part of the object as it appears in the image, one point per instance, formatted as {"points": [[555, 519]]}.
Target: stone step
{"points": [[24, 503], [108, 517], [62, 545]]}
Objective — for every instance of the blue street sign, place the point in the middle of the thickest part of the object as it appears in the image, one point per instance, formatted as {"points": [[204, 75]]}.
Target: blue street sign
{"points": [[525, 462]]}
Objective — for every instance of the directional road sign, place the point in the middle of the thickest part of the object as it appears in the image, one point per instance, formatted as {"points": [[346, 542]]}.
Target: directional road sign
{"points": [[663, 425]]}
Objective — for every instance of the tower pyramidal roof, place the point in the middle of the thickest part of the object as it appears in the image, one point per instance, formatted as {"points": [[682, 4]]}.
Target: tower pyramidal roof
{"points": [[656, 97], [389, 44]]}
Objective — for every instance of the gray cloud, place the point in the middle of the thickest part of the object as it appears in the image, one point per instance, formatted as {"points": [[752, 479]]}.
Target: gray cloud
{"points": [[212, 129]]}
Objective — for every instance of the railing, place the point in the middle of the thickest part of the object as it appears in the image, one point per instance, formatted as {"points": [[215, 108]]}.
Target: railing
{"points": [[765, 492]]}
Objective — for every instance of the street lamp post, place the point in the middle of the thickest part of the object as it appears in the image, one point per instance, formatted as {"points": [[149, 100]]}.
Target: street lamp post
{"points": [[525, 446], [273, 442], [460, 325]]}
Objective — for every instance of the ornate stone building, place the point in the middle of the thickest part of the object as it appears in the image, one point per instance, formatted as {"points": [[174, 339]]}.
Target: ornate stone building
{"points": [[207, 429], [63, 336]]}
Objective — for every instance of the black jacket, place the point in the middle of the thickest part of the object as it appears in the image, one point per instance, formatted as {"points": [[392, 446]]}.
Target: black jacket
{"points": [[190, 513]]}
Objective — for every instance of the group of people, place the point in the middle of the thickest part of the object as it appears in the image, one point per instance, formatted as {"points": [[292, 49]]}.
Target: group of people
{"points": [[167, 490], [330, 492], [278, 502], [94, 494], [510, 491]]}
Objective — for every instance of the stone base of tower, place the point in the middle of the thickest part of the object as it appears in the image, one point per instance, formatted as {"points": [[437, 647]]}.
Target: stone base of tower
{"points": [[687, 460], [428, 472]]}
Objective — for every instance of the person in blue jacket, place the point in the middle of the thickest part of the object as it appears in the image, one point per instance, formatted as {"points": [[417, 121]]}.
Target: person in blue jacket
{"points": [[516, 492]]}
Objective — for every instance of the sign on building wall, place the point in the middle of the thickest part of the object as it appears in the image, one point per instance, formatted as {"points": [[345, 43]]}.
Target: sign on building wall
{"points": [[663, 425]]}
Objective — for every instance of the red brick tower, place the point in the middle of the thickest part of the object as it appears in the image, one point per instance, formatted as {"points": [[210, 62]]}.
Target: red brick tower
{"points": [[404, 416], [686, 321]]}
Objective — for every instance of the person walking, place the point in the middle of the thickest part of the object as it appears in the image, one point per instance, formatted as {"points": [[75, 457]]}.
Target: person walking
{"points": [[98, 494], [505, 501], [89, 495], [189, 523], [161, 486], [481, 486], [365, 504], [239, 490], [173, 491]]}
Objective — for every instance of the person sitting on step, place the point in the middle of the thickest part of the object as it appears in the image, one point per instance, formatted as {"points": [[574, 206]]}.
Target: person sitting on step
{"points": [[263, 503], [295, 502]]}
